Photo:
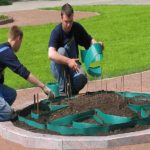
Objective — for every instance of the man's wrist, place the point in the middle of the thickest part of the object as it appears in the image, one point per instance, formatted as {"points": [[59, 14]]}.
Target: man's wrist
{"points": [[42, 86], [68, 61]]}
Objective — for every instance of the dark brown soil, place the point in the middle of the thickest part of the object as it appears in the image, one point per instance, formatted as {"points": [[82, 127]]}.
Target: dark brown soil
{"points": [[107, 102]]}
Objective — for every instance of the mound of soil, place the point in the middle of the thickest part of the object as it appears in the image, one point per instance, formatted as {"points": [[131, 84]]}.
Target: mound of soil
{"points": [[108, 102]]}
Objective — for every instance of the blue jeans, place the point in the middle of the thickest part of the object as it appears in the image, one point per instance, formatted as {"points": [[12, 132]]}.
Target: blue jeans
{"points": [[78, 79], [7, 97]]}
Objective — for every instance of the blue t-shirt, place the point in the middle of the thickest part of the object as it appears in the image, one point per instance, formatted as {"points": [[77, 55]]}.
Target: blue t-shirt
{"points": [[71, 40], [10, 60]]}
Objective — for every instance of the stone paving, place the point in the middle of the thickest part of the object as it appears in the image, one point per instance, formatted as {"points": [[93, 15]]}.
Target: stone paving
{"points": [[39, 17], [28, 5]]}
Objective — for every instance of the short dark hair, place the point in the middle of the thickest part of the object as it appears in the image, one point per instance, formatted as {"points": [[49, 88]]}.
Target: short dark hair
{"points": [[67, 10], [14, 32]]}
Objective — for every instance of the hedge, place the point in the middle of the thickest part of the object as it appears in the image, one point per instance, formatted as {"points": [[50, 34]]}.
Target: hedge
{"points": [[5, 2]]}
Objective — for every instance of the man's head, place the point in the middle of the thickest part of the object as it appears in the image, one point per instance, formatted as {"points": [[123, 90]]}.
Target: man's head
{"points": [[67, 17], [15, 36]]}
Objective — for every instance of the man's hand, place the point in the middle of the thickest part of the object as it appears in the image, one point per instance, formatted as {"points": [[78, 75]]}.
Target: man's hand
{"points": [[102, 44], [48, 92], [72, 63]]}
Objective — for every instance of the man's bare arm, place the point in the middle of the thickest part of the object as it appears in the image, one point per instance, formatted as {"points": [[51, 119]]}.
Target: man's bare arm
{"points": [[55, 56]]}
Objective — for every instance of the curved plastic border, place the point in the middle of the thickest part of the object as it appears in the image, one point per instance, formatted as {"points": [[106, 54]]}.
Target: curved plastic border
{"points": [[93, 54], [75, 124]]}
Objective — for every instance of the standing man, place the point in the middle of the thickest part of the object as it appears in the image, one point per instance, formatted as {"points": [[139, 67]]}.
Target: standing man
{"points": [[10, 60], [63, 50]]}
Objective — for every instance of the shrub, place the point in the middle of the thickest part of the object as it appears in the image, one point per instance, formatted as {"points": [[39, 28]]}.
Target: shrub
{"points": [[5, 2]]}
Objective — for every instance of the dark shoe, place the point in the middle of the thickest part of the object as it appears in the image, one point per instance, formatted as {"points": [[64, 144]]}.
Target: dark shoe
{"points": [[14, 116]]}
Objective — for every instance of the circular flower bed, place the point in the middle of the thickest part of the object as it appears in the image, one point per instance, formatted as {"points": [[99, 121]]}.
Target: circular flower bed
{"points": [[5, 19]]}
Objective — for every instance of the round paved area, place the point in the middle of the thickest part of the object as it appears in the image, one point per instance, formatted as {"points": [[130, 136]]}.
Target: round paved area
{"points": [[39, 17], [34, 4]]}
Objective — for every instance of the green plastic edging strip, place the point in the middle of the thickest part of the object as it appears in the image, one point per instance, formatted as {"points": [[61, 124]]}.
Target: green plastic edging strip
{"points": [[37, 116], [54, 88], [93, 54], [70, 118], [143, 121], [142, 96], [141, 109], [57, 107], [84, 125], [112, 119], [32, 123], [77, 131], [69, 125]]}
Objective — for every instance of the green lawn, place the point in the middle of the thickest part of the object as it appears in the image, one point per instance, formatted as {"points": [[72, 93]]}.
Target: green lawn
{"points": [[125, 30]]}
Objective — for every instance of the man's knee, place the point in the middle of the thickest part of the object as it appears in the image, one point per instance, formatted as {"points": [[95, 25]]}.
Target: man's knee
{"points": [[79, 82], [5, 116], [83, 79], [5, 110]]}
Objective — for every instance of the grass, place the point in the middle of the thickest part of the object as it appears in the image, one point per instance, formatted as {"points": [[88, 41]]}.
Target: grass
{"points": [[123, 29]]}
